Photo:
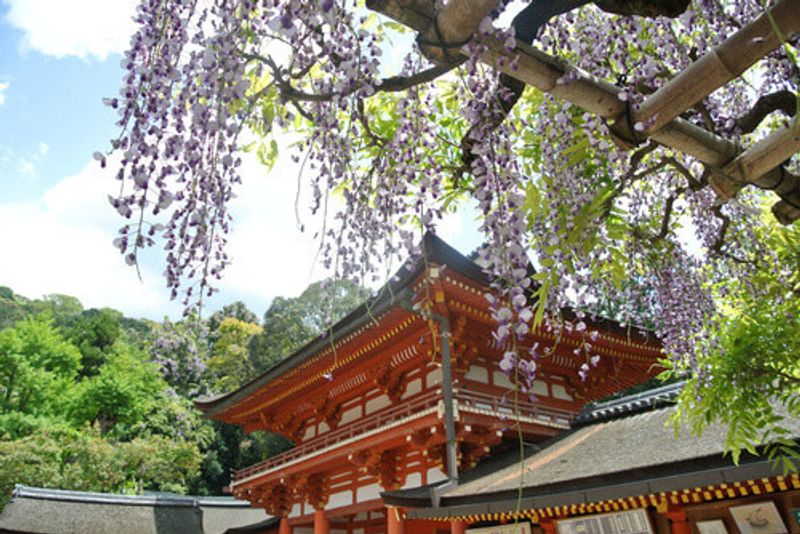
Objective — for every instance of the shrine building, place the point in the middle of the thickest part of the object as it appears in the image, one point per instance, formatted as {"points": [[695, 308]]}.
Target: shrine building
{"points": [[394, 398]]}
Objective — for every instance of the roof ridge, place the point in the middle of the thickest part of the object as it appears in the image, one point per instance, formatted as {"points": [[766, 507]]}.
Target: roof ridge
{"points": [[643, 401]]}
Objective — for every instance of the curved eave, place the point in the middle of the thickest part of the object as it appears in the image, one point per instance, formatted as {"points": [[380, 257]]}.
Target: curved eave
{"points": [[398, 290], [390, 296]]}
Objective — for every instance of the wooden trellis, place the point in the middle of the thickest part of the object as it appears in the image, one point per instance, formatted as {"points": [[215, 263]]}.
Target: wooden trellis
{"points": [[731, 167]]}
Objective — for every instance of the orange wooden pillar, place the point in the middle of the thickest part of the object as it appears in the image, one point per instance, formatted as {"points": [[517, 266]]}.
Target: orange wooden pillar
{"points": [[321, 524], [395, 522], [284, 527], [458, 527], [549, 526], [678, 522]]}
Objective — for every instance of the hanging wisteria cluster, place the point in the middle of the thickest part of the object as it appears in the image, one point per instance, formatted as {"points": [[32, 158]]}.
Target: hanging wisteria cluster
{"points": [[634, 233]]}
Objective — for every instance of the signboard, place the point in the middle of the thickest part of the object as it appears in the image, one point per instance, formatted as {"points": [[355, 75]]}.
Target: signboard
{"points": [[511, 528], [628, 522]]}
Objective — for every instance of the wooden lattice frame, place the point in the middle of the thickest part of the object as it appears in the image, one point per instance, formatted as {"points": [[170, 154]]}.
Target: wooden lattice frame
{"points": [[731, 167]]}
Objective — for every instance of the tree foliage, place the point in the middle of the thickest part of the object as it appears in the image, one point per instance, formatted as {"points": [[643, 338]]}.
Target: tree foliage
{"points": [[36, 365], [289, 323], [93, 400], [230, 362], [750, 380]]}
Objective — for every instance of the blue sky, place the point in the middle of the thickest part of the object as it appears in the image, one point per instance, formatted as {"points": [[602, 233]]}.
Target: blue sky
{"points": [[57, 61]]}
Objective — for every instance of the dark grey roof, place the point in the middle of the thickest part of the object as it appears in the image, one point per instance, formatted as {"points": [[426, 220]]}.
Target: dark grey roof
{"points": [[261, 527], [628, 405], [60, 511], [621, 448]]}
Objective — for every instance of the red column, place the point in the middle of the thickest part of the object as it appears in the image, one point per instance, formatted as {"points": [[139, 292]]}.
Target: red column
{"points": [[321, 525], [549, 526], [458, 527], [395, 523], [679, 524], [284, 527]]}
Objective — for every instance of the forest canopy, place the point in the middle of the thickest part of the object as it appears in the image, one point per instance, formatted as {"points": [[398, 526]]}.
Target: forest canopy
{"points": [[96, 401]]}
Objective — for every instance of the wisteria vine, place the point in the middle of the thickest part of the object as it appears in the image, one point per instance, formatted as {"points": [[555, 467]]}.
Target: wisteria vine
{"points": [[634, 234]]}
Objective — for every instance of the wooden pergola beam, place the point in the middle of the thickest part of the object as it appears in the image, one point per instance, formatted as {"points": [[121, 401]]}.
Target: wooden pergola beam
{"points": [[556, 77], [761, 165], [724, 63]]}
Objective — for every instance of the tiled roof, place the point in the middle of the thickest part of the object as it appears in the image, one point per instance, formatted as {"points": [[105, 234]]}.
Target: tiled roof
{"points": [[62, 511], [628, 405], [615, 449]]}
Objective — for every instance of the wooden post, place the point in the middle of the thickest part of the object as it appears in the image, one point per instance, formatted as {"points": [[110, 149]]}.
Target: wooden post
{"points": [[284, 527], [321, 524], [679, 524], [458, 527], [395, 522], [600, 97], [549, 526], [729, 60], [455, 23]]}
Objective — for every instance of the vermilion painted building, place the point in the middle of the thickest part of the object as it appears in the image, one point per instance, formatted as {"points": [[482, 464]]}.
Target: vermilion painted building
{"points": [[391, 399]]}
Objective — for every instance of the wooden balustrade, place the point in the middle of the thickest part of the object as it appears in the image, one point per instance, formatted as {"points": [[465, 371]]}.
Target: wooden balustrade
{"points": [[503, 407]]}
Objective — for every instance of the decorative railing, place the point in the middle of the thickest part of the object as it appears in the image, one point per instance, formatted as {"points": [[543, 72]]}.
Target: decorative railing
{"points": [[508, 407], [501, 407], [350, 430]]}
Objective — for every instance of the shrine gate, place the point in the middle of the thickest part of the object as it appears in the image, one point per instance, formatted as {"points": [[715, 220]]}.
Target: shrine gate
{"points": [[394, 397]]}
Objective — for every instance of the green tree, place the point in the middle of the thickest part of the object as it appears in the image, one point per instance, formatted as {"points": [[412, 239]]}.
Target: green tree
{"points": [[65, 458], [64, 309], [289, 323], [750, 380], [124, 391], [230, 363], [237, 310], [94, 332], [37, 367]]}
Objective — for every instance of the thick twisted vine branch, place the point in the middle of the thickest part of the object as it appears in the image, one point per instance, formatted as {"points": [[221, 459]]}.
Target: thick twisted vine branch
{"points": [[783, 101], [288, 91]]}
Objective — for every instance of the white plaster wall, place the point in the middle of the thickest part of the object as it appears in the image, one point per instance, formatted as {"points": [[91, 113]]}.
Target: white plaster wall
{"points": [[311, 431], [297, 510], [540, 388], [351, 415], [435, 475], [478, 374], [414, 480], [358, 531], [343, 498], [367, 493], [560, 392], [500, 379], [433, 377], [377, 403], [413, 387]]}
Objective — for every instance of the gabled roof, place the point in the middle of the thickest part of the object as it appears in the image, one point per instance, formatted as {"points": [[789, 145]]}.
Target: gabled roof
{"points": [[618, 449], [399, 289], [392, 294]]}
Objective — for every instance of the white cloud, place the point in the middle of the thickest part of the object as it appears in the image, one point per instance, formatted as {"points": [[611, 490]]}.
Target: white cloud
{"points": [[80, 28], [44, 148], [3, 88], [62, 244]]}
